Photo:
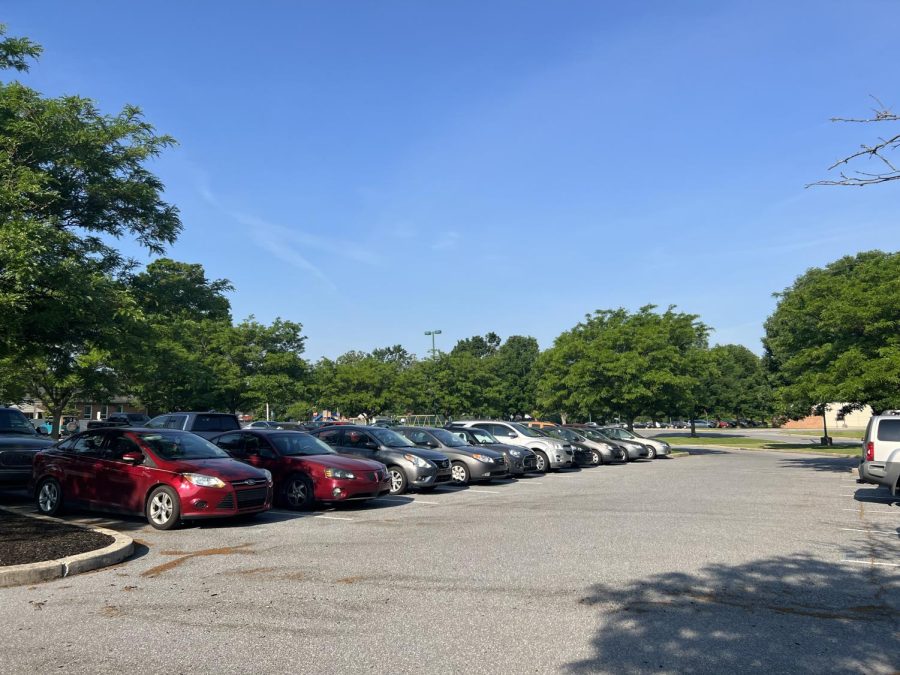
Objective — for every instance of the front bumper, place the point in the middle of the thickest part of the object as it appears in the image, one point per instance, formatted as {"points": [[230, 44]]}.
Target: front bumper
{"points": [[342, 490], [427, 477], [201, 502], [561, 459], [486, 471]]}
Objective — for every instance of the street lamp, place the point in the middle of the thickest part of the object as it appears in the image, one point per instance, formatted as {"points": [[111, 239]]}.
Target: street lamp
{"points": [[432, 333]]}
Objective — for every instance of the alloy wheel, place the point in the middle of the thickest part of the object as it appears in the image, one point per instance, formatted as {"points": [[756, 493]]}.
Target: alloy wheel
{"points": [[48, 496], [296, 493], [458, 473], [161, 508], [396, 480]]}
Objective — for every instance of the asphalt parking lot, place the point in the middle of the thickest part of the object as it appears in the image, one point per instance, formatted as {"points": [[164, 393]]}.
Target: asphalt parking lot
{"points": [[717, 562]]}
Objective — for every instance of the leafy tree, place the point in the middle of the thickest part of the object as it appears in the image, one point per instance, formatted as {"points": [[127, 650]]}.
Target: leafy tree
{"points": [[478, 346], [512, 371], [740, 387], [71, 178], [616, 363], [835, 335]]}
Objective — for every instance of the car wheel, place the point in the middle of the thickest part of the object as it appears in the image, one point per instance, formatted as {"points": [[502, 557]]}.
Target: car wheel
{"points": [[398, 480], [542, 464], [626, 457], [596, 458], [297, 492], [49, 497], [163, 509], [460, 473], [652, 451]]}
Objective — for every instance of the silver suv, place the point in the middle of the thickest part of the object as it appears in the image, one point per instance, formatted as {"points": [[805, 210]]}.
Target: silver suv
{"points": [[880, 462], [551, 452]]}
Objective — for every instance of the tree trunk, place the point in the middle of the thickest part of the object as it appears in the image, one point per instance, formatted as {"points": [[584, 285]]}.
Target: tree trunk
{"points": [[562, 417], [693, 428]]}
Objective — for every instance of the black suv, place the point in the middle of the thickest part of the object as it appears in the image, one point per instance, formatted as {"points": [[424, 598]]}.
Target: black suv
{"points": [[410, 466], [205, 424], [19, 443]]}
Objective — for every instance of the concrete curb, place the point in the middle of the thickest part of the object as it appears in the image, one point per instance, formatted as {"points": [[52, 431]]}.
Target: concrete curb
{"points": [[32, 573], [678, 453], [847, 455]]}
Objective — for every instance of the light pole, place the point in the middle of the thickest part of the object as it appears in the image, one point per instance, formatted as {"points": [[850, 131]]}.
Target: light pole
{"points": [[432, 333]]}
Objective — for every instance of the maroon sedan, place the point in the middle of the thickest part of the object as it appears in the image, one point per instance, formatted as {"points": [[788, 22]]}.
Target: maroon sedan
{"points": [[165, 474], [305, 469]]}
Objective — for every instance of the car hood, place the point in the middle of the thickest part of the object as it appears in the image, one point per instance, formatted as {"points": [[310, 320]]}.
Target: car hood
{"points": [[340, 462], [502, 447], [23, 442], [424, 453], [474, 449], [225, 468]]}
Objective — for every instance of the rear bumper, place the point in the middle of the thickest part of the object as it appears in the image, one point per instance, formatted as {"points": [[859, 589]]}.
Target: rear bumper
{"points": [[886, 474]]}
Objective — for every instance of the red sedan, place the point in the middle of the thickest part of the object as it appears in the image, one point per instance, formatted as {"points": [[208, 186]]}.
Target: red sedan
{"points": [[165, 474], [305, 469]]}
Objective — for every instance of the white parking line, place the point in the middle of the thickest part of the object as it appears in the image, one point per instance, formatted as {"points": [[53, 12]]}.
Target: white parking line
{"points": [[487, 492], [854, 529], [870, 562], [333, 517]]}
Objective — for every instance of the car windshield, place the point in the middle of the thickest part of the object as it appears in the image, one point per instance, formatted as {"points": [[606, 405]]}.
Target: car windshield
{"points": [[595, 435], [483, 436], [556, 433], [569, 435], [391, 438], [137, 418], [447, 438], [526, 431], [294, 444], [14, 422], [181, 445]]}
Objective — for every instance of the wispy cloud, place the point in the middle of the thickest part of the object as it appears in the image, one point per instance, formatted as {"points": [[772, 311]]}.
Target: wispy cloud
{"points": [[446, 241], [289, 244]]}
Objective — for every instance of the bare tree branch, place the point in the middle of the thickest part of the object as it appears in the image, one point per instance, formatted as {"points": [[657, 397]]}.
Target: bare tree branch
{"points": [[871, 152]]}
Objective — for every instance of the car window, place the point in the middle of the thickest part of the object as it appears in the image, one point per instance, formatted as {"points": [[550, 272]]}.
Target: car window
{"points": [[331, 436], [158, 422], [175, 421], [355, 439], [461, 435], [118, 445], [391, 438], [448, 439], [417, 436], [215, 423], [483, 436], [889, 430], [87, 445], [231, 443], [182, 445], [13, 421], [294, 444], [254, 445], [525, 431]]}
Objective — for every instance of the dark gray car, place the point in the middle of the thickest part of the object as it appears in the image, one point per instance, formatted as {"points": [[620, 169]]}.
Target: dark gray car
{"points": [[520, 460], [467, 463], [205, 424], [19, 443], [410, 466]]}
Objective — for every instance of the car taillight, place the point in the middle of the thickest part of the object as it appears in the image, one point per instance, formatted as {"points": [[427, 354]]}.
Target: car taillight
{"points": [[870, 451]]}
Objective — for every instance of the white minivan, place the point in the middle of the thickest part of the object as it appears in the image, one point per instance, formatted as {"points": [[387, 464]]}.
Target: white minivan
{"points": [[880, 463]]}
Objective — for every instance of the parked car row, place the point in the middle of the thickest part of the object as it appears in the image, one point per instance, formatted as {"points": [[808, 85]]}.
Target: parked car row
{"points": [[190, 466]]}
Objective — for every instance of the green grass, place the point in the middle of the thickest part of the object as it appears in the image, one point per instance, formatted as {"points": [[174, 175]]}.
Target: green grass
{"points": [[760, 444], [855, 434]]}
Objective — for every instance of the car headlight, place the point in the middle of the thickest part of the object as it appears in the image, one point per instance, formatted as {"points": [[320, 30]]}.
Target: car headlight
{"points": [[202, 480], [418, 461], [483, 458], [339, 473], [515, 453]]}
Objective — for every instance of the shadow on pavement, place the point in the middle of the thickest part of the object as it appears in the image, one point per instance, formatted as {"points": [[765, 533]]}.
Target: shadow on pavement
{"points": [[832, 464], [785, 614]]}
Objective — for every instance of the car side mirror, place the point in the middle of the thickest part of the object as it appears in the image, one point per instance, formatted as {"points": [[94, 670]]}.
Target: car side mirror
{"points": [[511, 434], [133, 457], [371, 445]]}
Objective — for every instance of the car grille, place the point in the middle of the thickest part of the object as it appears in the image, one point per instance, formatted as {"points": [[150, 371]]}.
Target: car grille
{"points": [[441, 463], [530, 462], [16, 458], [248, 499], [227, 502], [377, 476]]}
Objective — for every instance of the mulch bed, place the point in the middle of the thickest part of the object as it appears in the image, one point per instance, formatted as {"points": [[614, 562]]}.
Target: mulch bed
{"points": [[28, 540]]}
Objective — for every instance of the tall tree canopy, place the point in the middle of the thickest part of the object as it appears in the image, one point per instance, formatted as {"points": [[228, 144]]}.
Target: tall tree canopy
{"points": [[835, 335], [617, 363]]}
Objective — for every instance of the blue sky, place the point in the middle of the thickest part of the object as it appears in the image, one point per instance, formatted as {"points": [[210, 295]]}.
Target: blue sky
{"points": [[377, 169]]}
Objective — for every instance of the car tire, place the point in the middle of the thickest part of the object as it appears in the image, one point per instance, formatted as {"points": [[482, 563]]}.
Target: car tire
{"points": [[543, 464], [651, 452], [163, 510], [399, 482], [459, 473], [596, 458], [626, 458], [49, 497], [297, 492]]}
